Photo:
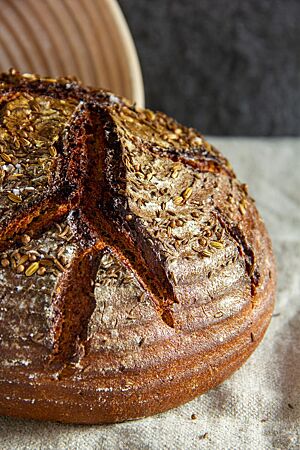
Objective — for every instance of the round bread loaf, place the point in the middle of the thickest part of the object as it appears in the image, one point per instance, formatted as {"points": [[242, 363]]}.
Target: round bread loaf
{"points": [[135, 271]]}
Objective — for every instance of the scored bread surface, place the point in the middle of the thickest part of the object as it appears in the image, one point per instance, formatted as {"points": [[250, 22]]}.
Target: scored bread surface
{"points": [[135, 270]]}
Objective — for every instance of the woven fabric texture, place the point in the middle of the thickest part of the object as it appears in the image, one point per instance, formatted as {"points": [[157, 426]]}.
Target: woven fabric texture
{"points": [[259, 406]]}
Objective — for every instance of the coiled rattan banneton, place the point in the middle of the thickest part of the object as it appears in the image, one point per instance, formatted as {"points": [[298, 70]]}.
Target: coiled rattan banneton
{"points": [[135, 271]]}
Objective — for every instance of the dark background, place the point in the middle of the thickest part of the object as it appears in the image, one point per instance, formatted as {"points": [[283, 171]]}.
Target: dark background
{"points": [[227, 67]]}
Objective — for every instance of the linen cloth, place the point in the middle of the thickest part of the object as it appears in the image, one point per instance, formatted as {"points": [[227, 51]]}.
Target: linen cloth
{"points": [[258, 408]]}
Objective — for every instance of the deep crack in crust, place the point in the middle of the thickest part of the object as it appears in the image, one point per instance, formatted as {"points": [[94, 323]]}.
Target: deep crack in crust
{"points": [[139, 255]]}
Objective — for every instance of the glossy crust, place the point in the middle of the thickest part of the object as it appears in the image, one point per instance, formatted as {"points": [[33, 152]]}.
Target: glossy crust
{"points": [[135, 270]]}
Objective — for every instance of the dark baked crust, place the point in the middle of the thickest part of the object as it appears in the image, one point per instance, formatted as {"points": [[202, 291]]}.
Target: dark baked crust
{"points": [[139, 276]]}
